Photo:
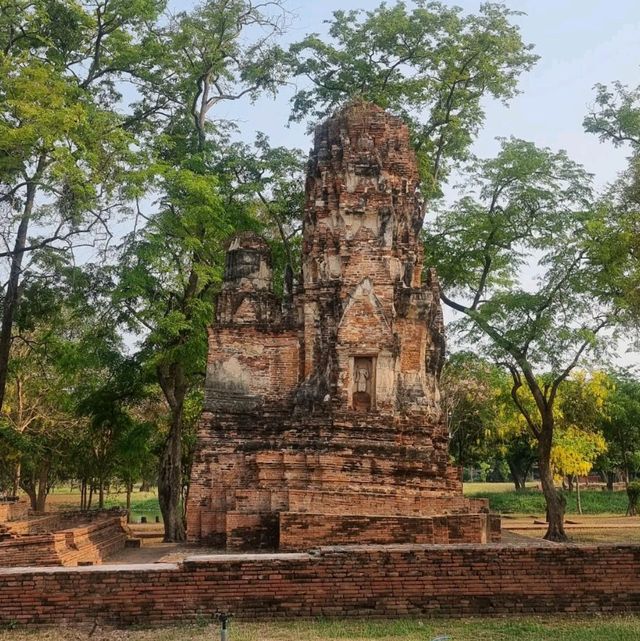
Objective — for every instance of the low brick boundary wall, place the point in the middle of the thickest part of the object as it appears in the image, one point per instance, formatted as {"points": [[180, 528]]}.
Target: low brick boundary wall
{"points": [[369, 581]]}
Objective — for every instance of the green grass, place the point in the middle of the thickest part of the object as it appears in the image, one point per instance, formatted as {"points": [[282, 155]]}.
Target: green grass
{"points": [[142, 503], [531, 501], [529, 629], [148, 507], [476, 487]]}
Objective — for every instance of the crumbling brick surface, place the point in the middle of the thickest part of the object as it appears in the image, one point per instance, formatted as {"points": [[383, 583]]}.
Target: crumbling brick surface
{"points": [[13, 510], [63, 538], [358, 581], [333, 390]]}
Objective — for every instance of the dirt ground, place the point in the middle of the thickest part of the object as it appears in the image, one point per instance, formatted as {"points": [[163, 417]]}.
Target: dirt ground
{"points": [[579, 529]]}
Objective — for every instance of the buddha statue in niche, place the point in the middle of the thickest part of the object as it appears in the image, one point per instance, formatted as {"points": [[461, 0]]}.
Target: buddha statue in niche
{"points": [[363, 374]]}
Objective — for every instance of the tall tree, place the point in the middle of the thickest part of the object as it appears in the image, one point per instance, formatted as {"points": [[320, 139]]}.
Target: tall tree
{"points": [[432, 65], [64, 147], [222, 51], [527, 210]]}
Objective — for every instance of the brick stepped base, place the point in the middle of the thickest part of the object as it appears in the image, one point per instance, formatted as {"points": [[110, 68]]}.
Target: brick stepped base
{"points": [[355, 470], [304, 519], [302, 531], [90, 543]]}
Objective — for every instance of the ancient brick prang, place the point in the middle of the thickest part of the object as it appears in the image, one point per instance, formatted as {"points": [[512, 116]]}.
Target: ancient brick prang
{"points": [[328, 402]]}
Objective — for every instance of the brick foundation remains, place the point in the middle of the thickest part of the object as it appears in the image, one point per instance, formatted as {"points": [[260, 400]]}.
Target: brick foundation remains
{"points": [[13, 510], [359, 581], [63, 538], [326, 402]]}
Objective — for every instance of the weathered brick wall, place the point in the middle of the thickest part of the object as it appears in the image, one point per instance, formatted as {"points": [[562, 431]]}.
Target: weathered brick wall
{"points": [[450, 581], [421, 503], [13, 510]]}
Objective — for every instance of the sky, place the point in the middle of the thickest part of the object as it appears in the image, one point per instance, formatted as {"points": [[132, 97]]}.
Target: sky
{"points": [[580, 43]]}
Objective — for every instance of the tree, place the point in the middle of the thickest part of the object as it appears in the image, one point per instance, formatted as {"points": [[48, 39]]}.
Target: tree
{"points": [[484, 425], [220, 52], [270, 180], [431, 65], [114, 443], [469, 401], [620, 425], [615, 118], [65, 153], [527, 207], [63, 343]]}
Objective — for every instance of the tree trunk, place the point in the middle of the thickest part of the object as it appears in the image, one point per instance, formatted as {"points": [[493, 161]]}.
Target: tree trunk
{"points": [[578, 494], [33, 497], [515, 476], [43, 489], [11, 298], [556, 503], [569, 482], [15, 486], [170, 480], [610, 479], [101, 495], [129, 489]]}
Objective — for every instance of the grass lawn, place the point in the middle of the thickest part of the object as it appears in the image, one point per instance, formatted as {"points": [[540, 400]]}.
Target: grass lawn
{"points": [[142, 503], [530, 629], [531, 500]]}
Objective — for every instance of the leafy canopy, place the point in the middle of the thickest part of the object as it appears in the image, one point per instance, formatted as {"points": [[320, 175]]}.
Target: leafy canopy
{"points": [[433, 65], [526, 208]]}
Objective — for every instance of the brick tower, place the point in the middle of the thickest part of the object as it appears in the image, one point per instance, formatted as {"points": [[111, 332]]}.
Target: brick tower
{"points": [[322, 422]]}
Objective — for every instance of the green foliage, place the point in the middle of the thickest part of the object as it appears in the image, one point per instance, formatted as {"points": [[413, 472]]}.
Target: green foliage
{"points": [[615, 118], [269, 181], [615, 114], [473, 391], [64, 345], [60, 119], [620, 424], [432, 65], [526, 204]]}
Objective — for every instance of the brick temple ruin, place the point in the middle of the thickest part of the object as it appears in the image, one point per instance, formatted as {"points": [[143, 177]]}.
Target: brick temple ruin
{"points": [[322, 423]]}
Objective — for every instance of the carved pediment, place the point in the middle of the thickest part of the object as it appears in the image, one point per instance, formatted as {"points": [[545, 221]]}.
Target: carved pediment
{"points": [[363, 320]]}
